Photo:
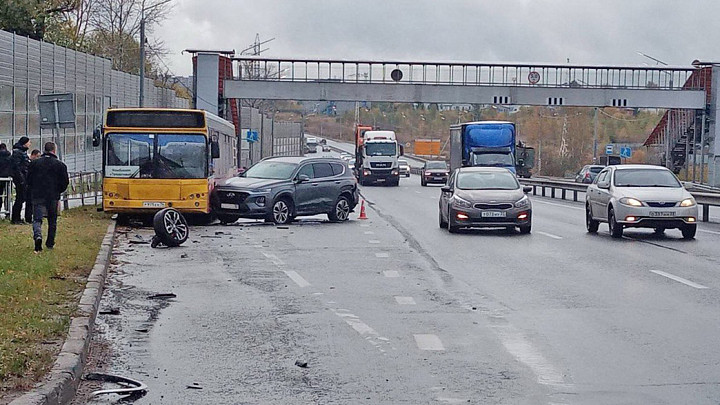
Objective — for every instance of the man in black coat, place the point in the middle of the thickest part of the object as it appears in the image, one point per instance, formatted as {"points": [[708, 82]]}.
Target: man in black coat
{"points": [[47, 179], [20, 164], [5, 172]]}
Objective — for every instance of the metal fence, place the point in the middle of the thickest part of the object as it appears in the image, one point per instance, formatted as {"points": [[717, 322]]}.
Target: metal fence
{"points": [[275, 138]]}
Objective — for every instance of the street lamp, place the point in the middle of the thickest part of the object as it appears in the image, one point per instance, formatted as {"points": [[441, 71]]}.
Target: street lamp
{"points": [[141, 100]]}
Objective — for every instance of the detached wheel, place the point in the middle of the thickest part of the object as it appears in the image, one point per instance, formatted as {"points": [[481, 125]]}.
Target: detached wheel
{"points": [[689, 231], [591, 224], [171, 227], [616, 230], [281, 212], [341, 210]]}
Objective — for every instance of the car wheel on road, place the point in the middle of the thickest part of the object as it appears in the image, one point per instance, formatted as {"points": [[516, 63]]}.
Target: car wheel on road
{"points": [[281, 212], [689, 231], [341, 210], [443, 224], [525, 229], [227, 218], [616, 230], [422, 182], [591, 224], [171, 227], [450, 227]]}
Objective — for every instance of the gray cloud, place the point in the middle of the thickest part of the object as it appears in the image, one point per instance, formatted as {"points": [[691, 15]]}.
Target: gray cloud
{"points": [[540, 31]]}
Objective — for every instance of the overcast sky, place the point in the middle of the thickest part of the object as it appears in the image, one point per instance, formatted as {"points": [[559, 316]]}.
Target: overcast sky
{"points": [[539, 31]]}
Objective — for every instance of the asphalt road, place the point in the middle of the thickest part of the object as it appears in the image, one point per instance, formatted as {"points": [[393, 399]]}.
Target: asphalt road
{"points": [[394, 310]]}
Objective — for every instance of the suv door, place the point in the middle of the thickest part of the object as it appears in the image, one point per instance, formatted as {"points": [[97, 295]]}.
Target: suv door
{"points": [[304, 192], [326, 191]]}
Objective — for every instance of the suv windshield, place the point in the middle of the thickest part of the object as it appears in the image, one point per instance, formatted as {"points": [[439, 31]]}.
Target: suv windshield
{"points": [[162, 156], [380, 149], [487, 181], [271, 170], [436, 165], [492, 159], [645, 178]]}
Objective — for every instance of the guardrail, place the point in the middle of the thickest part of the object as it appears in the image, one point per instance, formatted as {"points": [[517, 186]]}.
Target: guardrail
{"points": [[704, 199]]}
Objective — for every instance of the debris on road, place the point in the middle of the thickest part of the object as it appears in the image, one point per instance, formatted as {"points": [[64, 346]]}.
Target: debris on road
{"points": [[110, 311], [194, 386], [301, 364], [130, 387], [283, 227], [184, 256], [162, 296]]}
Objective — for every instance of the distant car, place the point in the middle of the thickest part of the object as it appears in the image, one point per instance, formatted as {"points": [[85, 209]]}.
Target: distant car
{"points": [[434, 171], [485, 197], [326, 148], [404, 167], [640, 196], [278, 189], [588, 173]]}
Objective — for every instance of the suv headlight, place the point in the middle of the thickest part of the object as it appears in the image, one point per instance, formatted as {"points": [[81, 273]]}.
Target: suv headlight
{"points": [[461, 203], [631, 202], [261, 190], [524, 202], [688, 202]]}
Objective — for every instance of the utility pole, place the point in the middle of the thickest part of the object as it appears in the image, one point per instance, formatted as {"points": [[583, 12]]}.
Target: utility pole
{"points": [[595, 136], [141, 101]]}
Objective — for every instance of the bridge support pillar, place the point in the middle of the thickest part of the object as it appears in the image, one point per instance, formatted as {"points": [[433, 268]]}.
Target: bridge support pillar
{"points": [[714, 131]]}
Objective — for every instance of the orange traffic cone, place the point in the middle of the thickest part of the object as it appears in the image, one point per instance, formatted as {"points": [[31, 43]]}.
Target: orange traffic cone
{"points": [[362, 211]]}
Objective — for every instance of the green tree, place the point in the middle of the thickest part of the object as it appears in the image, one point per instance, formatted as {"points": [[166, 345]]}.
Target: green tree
{"points": [[32, 18]]}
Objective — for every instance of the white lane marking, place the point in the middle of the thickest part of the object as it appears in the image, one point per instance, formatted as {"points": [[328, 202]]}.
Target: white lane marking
{"points": [[679, 279], [712, 232], [273, 258], [558, 205], [518, 346], [294, 276], [364, 225], [428, 342], [549, 235], [363, 329], [405, 300], [374, 241], [369, 233], [382, 255], [417, 192], [391, 274]]}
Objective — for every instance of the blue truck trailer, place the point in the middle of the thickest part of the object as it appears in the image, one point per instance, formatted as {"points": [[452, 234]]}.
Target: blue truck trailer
{"points": [[483, 143]]}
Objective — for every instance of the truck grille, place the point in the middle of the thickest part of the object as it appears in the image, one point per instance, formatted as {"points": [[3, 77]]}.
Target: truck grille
{"points": [[380, 165]]}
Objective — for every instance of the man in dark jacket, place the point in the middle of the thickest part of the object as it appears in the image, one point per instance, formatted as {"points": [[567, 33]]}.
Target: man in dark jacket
{"points": [[5, 172], [20, 164], [47, 179]]}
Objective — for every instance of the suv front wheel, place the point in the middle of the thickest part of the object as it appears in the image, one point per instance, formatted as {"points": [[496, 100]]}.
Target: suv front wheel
{"points": [[281, 212]]}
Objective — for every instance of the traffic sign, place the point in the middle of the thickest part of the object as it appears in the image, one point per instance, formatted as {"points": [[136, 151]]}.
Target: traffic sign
{"points": [[534, 77], [626, 152], [252, 136], [609, 149]]}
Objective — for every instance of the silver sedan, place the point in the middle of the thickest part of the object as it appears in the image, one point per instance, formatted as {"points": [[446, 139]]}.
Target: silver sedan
{"points": [[485, 197], [640, 196]]}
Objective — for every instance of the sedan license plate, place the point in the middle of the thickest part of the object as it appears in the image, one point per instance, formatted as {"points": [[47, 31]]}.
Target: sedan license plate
{"points": [[439, 178], [493, 214], [229, 206], [662, 213], [153, 204]]}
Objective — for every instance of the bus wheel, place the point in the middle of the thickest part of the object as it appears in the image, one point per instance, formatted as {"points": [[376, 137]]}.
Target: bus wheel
{"points": [[171, 227]]}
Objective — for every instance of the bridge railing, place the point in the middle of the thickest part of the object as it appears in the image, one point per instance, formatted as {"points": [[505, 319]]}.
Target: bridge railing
{"points": [[467, 74]]}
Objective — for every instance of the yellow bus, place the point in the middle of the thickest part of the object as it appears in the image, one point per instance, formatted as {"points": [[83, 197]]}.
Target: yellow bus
{"points": [[156, 158]]}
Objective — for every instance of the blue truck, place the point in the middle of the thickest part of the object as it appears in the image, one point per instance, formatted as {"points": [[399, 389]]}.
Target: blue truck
{"points": [[490, 143]]}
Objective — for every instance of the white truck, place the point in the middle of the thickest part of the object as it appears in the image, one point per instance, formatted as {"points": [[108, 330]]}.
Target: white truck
{"points": [[376, 157]]}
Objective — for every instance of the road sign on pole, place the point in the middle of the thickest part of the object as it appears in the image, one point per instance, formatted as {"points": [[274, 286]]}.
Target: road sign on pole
{"points": [[609, 149], [626, 152]]}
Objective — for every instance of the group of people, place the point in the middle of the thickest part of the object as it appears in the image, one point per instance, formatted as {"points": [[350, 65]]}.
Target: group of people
{"points": [[39, 181]]}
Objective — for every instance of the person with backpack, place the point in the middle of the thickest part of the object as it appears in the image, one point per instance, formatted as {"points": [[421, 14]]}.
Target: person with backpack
{"points": [[47, 179], [20, 164]]}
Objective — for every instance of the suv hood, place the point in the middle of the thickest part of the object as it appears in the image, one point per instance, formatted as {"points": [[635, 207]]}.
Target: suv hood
{"points": [[249, 183], [653, 193]]}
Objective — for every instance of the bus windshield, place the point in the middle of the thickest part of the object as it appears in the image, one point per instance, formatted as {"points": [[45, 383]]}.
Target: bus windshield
{"points": [[161, 156]]}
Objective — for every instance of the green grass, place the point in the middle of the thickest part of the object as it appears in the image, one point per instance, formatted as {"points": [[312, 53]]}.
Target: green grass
{"points": [[39, 293]]}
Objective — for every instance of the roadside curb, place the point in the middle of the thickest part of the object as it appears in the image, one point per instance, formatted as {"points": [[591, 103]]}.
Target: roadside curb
{"points": [[60, 384]]}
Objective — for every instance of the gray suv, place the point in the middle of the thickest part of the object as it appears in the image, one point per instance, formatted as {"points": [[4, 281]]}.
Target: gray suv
{"points": [[278, 189]]}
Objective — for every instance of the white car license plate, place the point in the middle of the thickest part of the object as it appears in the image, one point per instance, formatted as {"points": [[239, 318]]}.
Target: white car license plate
{"points": [[439, 178], [662, 213], [380, 180], [229, 206], [153, 204], [493, 214]]}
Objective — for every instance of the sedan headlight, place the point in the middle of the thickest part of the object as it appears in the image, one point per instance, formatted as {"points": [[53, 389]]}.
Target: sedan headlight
{"points": [[631, 202], [523, 202], [461, 203], [688, 202]]}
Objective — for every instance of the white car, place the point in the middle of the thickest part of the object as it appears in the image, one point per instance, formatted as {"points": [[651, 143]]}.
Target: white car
{"points": [[640, 196]]}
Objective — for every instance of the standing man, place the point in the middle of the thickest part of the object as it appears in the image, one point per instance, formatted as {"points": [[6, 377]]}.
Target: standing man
{"points": [[47, 179], [28, 195], [5, 171], [20, 164]]}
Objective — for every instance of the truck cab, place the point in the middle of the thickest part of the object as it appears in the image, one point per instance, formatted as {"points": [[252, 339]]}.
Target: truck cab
{"points": [[377, 158], [483, 143]]}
